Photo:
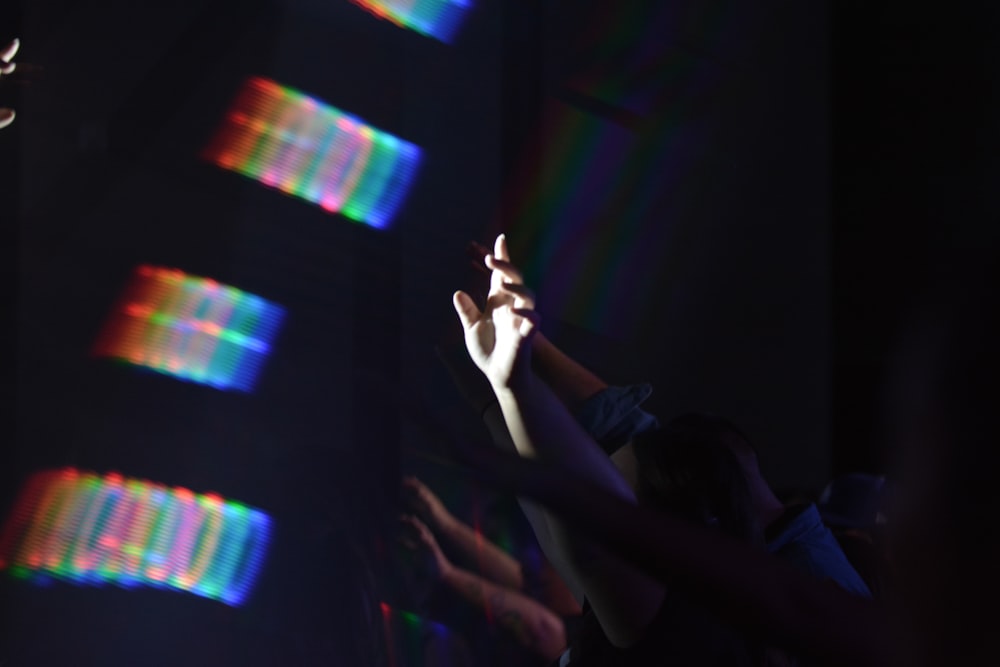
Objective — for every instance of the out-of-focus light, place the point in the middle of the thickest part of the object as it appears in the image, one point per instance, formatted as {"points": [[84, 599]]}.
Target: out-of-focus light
{"points": [[303, 147], [407, 635], [439, 19], [92, 529], [192, 328]]}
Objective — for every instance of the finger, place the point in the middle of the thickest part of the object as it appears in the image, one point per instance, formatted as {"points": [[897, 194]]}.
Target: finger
{"points": [[476, 254], [6, 67], [506, 269], [500, 248], [478, 265], [10, 50], [406, 529], [417, 524], [496, 278], [466, 309], [476, 251], [6, 117], [530, 319], [428, 540], [525, 296]]}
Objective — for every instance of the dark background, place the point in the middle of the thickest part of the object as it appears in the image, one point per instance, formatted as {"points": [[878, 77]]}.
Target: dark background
{"points": [[735, 201]]}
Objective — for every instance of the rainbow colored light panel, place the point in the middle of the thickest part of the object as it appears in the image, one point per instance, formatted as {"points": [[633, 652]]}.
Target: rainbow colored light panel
{"points": [[192, 328], [439, 19], [303, 147], [108, 529]]}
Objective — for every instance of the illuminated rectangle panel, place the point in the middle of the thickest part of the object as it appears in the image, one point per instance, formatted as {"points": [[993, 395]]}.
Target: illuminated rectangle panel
{"points": [[439, 19], [109, 529], [303, 147], [192, 328]]}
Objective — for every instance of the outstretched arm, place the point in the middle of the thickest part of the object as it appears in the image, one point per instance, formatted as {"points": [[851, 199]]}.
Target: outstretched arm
{"points": [[493, 562], [529, 623], [624, 600], [499, 340], [569, 379], [537, 517], [748, 586]]}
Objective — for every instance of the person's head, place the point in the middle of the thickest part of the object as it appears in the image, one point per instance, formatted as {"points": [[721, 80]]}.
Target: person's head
{"points": [[688, 468]]}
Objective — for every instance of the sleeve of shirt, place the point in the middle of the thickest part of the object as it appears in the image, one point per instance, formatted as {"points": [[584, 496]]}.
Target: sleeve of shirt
{"points": [[613, 416]]}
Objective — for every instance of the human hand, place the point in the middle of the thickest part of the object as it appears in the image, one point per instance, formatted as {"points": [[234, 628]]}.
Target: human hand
{"points": [[419, 539], [426, 503], [496, 337], [6, 67]]}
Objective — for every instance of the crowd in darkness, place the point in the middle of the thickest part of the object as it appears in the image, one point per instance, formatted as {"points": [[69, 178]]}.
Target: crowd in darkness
{"points": [[662, 543], [665, 541]]}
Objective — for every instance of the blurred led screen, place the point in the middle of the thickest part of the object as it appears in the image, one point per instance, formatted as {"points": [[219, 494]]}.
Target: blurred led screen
{"points": [[192, 328], [92, 529], [303, 147], [439, 19]]}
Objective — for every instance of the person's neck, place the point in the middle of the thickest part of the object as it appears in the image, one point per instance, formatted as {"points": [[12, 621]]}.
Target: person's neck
{"points": [[767, 505]]}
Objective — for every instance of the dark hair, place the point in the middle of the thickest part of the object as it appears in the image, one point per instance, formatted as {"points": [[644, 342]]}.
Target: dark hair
{"points": [[688, 468]]}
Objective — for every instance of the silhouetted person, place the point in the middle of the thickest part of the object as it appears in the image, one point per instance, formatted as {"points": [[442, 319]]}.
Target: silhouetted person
{"points": [[942, 412], [793, 532], [613, 417], [636, 619]]}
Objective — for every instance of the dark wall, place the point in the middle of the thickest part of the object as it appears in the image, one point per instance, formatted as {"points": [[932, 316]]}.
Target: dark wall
{"points": [[663, 171], [672, 199], [916, 128], [109, 177]]}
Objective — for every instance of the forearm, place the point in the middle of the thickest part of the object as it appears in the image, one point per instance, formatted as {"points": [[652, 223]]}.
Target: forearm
{"points": [[624, 599], [750, 588], [536, 514], [542, 428], [528, 622], [493, 563], [571, 382]]}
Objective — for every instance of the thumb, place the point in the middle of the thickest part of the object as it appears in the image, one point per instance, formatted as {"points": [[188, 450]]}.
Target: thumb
{"points": [[466, 309]]}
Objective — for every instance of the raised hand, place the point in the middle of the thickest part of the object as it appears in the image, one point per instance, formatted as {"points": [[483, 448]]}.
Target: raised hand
{"points": [[419, 539], [7, 66], [496, 337], [426, 503]]}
